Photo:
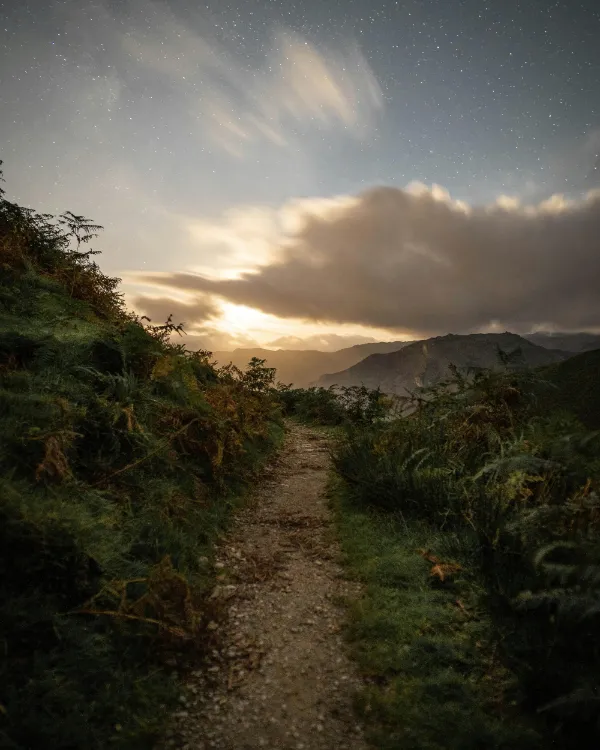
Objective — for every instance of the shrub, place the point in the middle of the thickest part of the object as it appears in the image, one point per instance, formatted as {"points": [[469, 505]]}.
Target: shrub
{"points": [[335, 405], [486, 456], [120, 455]]}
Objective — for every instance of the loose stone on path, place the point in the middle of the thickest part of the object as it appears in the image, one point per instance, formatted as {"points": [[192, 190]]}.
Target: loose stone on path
{"points": [[280, 677]]}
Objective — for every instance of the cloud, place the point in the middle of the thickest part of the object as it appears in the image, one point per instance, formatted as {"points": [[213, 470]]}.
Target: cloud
{"points": [[326, 342], [296, 86], [190, 314], [201, 318], [215, 340], [327, 87], [248, 237], [418, 261], [243, 238]]}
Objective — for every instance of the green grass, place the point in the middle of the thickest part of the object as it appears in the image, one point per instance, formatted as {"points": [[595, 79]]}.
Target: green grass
{"points": [[121, 458], [512, 484], [434, 679]]}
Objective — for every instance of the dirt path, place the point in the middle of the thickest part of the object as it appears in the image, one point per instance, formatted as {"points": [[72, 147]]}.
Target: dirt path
{"points": [[280, 677]]}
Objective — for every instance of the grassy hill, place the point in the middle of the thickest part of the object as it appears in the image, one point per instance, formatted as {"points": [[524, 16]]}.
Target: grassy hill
{"points": [[472, 520], [120, 456]]}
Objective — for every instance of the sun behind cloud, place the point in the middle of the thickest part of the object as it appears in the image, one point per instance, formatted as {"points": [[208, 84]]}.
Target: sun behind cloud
{"points": [[243, 322], [248, 320]]}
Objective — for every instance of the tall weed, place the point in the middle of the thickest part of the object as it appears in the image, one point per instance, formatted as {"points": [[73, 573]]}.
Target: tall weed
{"points": [[121, 454], [483, 454]]}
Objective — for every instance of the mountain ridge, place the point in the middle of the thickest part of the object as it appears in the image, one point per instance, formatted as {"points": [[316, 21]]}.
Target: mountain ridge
{"points": [[425, 362], [581, 341], [308, 367], [302, 367]]}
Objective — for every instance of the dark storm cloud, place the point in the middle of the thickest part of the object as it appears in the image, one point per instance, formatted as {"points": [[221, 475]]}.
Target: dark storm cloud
{"points": [[417, 261]]}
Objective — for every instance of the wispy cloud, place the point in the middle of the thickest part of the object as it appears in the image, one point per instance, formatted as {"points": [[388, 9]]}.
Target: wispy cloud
{"points": [[324, 342], [243, 239], [297, 85]]}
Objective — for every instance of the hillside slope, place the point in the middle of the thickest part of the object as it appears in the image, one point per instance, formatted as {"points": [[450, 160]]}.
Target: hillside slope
{"points": [[120, 455], [577, 387], [424, 363], [304, 367], [504, 485]]}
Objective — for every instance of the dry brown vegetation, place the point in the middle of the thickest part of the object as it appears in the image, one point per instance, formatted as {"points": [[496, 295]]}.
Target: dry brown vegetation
{"points": [[121, 454]]}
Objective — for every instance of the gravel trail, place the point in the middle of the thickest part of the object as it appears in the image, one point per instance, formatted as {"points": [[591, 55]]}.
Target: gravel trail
{"points": [[279, 676]]}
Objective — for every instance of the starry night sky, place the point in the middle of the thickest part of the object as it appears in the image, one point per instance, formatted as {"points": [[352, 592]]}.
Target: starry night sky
{"points": [[203, 134]]}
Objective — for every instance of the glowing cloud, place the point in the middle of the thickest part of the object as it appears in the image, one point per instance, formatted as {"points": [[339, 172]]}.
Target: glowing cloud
{"points": [[416, 260]]}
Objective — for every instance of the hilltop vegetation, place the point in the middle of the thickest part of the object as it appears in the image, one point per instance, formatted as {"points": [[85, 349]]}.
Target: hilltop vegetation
{"points": [[479, 625], [120, 456]]}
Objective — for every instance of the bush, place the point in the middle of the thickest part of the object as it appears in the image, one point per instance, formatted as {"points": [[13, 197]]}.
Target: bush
{"points": [[485, 456], [335, 406], [422, 641], [120, 454]]}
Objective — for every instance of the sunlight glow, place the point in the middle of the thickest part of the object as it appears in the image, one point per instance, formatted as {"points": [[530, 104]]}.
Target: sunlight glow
{"points": [[242, 319], [239, 320]]}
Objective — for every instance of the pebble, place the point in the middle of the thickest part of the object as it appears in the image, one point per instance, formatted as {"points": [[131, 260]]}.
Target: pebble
{"points": [[286, 597]]}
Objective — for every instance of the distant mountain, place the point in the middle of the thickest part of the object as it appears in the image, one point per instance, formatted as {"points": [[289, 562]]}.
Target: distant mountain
{"points": [[424, 363], [567, 342], [303, 368]]}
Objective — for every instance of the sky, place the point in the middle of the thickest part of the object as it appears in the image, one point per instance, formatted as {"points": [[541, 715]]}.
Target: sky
{"points": [[318, 173]]}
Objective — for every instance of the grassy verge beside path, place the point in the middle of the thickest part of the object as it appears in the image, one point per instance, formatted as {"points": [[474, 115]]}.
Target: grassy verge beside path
{"points": [[422, 641], [121, 455]]}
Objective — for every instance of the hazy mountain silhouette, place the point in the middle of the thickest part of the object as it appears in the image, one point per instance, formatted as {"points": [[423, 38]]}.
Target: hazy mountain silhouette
{"points": [[426, 362], [304, 367], [568, 342]]}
